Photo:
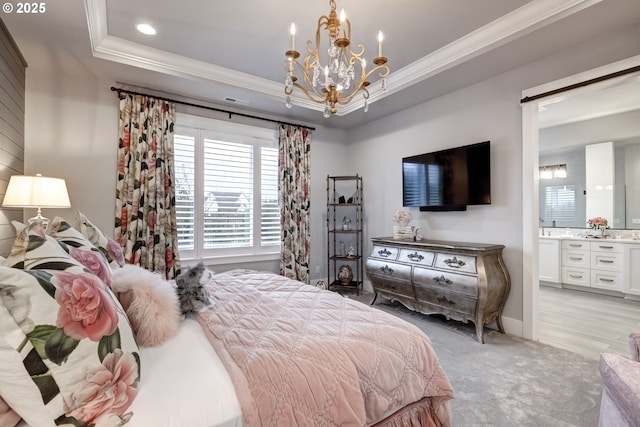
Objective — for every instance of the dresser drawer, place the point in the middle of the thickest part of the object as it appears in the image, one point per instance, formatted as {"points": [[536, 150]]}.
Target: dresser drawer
{"points": [[606, 261], [433, 300], [575, 258], [462, 263], [389, 270], [416, 257], [617, 248], [575, 244], [576, 276], [384, 252], [401, 290], [467, 285], [611, 280]]}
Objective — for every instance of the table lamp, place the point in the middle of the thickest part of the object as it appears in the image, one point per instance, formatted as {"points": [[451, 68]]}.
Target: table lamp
{"points": [[36, 192]]}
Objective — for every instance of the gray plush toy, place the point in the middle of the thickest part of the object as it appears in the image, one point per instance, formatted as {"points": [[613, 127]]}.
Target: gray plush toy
{"points": [[192, 294]]}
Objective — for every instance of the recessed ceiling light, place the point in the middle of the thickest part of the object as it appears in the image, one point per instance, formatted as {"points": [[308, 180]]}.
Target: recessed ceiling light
{"points": [[146, 29]]}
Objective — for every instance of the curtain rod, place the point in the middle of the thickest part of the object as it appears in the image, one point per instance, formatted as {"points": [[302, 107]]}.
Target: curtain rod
{"points": [[220, 110], [581, 84]]}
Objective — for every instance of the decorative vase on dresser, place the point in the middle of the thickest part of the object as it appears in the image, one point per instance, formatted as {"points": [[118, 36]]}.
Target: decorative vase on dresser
{"points": [[462, 281]]}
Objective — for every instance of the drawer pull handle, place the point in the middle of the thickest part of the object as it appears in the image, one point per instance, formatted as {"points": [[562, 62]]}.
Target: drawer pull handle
{"points": [[605, 247], [575, 245], [607, 261], [386, 270], [415, 257], [443, 281], [445, 300], [384, 253], [576, 276], [454, 263], [606, 280], [575, 258]]}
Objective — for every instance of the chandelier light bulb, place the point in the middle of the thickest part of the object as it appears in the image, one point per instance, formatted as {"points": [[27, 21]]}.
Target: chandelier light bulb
{"points": [[380, 38], [293, 36]]}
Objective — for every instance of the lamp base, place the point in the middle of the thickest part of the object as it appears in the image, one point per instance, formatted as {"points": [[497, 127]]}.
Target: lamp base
{"points": [[44, 222]]}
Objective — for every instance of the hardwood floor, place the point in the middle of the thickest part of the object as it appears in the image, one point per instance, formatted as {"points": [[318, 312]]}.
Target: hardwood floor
{"points": [[586, 323]]}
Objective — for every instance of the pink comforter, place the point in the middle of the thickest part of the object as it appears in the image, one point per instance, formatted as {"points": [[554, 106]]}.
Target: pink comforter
{"points": [[299, 356]]}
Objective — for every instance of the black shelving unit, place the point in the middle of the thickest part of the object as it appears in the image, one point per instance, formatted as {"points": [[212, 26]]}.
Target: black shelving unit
{"points": [[345, 233]]}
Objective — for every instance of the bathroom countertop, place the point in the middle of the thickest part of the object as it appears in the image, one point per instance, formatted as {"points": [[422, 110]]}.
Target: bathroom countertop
{"points": [[594, 239]]}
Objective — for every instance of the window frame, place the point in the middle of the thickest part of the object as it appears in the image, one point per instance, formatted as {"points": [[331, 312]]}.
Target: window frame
{"points": [[201, 128]]}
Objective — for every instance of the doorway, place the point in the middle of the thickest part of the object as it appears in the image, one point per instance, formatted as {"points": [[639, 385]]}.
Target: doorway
{"points": [[530, 186]]}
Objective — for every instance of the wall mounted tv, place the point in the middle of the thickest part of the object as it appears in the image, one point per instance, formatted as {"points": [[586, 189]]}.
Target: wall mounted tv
{"points": [[448, 180]]}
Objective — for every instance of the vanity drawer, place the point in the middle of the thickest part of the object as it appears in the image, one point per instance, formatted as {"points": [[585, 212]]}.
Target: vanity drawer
{"points": [[575, 258], [384, 252], [607, 247], [467, 285], [416, 257], [576, 276], [433, 300], [607, 261], [389, 270], [611, 280], [462, 263], [575, 244]]}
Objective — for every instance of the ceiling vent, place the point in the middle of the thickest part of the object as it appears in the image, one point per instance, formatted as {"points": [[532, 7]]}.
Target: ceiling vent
{"points": [[236, 101]]}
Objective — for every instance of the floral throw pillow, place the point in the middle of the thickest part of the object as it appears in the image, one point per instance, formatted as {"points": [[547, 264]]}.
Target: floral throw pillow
{"points": [[94, 259], [33, 249], [75, 345], [108, 246]]}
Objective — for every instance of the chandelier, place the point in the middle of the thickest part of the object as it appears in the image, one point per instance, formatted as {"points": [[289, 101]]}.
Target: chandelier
{"points": [[343, 74]]}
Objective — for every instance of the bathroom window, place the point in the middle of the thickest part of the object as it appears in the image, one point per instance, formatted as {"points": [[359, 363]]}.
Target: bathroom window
{"points": [[560, 204]]}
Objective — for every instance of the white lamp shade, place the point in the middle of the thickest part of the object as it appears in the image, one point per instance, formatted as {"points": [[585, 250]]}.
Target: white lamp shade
{"points": [[36, 192]]}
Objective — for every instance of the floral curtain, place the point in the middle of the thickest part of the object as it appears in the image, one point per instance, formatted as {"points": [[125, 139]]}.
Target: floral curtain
{"points": [[145, 217], [294, 201]]}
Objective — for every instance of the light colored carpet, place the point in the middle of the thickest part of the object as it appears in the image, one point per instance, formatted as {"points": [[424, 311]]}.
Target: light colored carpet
{"points": [[508, 381]]}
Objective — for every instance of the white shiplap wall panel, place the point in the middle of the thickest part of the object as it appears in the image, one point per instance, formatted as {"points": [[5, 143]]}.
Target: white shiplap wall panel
{"points": [[12, 93]]}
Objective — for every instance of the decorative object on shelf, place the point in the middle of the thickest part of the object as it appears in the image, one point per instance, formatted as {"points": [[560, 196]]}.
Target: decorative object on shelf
{"points": [[352, 252], [598, 224], [345, 274], [402, 230], [346, 224], [321, 284], [340, 249], [342, 200], [344, 72]]}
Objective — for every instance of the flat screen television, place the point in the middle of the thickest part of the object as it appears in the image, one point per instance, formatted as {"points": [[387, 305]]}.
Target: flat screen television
{"points": [[448, 180]]}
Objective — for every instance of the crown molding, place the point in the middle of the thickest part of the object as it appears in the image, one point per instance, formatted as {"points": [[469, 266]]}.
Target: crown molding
{"points": [[519, 22]]}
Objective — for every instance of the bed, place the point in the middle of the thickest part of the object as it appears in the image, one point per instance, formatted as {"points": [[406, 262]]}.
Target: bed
{"points": [[269, 351]]}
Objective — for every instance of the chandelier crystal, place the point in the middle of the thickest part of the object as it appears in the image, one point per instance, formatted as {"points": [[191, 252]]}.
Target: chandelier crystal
{"points": [[335, 75]]}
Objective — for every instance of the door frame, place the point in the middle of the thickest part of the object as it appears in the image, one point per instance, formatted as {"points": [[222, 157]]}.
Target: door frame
{"points": [[530, 189]]}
